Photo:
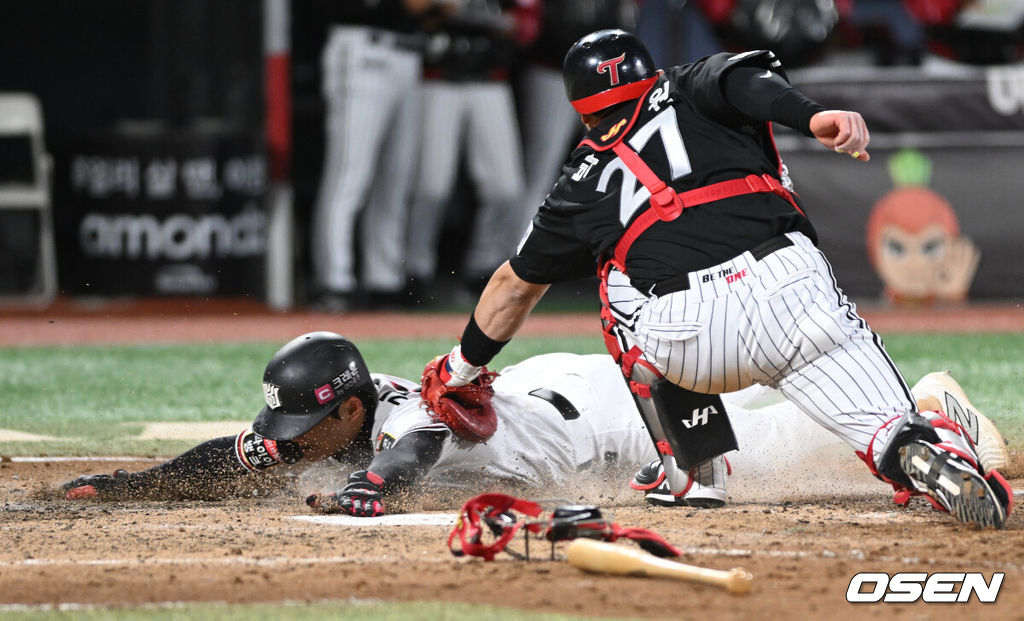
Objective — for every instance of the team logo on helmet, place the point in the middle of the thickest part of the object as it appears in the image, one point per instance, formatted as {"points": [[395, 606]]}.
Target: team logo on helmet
{"points": [[340, 385], [272, 395], [324, 394], [611, 67]]}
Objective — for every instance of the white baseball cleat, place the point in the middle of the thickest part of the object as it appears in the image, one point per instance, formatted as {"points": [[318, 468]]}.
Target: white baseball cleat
{"points": [[939, 391]]}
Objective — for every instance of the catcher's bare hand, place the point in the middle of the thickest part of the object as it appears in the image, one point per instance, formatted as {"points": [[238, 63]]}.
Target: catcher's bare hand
{"points": [[99, 486], [362, 497], [843, 132]]}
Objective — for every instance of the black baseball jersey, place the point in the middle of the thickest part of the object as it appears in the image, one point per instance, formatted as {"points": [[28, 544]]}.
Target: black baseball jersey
{"points": [[472, 44], [386, 14], [566, 21], [690, 136]]}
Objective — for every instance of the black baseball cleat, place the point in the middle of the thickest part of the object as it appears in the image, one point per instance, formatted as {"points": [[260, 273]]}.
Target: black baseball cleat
{"points": [[696, 496], [707, 490], [649, 476], [953, 483], [662, 496]]}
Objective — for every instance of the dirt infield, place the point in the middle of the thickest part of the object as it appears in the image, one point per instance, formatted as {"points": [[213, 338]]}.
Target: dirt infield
{"points": [[802, 544], [802, 549]]}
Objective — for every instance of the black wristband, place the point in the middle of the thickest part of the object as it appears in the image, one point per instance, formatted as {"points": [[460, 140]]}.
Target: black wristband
{"points": [[477, 348]]}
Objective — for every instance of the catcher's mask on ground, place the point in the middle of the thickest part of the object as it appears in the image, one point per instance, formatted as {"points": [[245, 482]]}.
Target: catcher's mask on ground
{"points": [[307, 379], [487, 524]]}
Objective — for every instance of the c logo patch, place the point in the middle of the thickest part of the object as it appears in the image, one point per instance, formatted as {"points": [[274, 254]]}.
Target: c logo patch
{"points": [[324, 394]]}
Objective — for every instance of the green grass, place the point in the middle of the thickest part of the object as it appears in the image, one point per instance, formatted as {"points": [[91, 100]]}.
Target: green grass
{"points": [[338, 611], [98, 397], [989, 367]]}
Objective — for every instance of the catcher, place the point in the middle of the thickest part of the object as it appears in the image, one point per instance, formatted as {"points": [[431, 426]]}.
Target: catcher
{"points": [[557, 416], [710, 276]]}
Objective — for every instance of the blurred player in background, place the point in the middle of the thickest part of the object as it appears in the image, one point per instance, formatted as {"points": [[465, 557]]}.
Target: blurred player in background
{"points": [[469, 110], [550, 125], [679, 31], [372, 67]]}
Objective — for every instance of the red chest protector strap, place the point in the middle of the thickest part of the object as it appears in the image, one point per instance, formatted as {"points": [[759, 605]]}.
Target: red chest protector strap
{"points": [[667, 204], [625, 359]]}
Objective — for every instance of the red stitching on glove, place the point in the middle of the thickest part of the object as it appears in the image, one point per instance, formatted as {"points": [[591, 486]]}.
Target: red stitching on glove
{"points": [[85, 491]]}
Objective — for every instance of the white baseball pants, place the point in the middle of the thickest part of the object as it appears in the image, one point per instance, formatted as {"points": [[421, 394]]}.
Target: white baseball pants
{"points": [[781, 321]]}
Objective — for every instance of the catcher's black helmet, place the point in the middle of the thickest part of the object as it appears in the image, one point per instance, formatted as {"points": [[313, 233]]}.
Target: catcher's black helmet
{"points": [[605, 68], [307, 379]]}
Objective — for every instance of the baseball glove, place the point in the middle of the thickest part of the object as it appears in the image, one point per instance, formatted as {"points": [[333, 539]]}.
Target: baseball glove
{"points": [[467, 409]]}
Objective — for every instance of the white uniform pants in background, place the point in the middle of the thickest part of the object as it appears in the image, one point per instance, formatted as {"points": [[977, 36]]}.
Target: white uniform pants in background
{"points": [[481, 118], [549, 126], [780, 321], [371, 87]]}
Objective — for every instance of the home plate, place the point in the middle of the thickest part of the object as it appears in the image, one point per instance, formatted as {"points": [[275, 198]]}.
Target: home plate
{"points": [[400, 519]]}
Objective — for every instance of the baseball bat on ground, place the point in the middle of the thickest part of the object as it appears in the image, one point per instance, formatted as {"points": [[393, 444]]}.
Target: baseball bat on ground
{"points": [[609, 558]]}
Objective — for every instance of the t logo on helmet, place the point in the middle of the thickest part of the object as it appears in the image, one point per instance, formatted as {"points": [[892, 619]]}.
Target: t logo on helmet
{"points": [[611, 67]]}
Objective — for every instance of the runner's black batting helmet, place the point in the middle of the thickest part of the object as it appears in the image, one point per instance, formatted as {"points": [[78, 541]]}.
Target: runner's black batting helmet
{"points": [[307, 379], [605, 68]]}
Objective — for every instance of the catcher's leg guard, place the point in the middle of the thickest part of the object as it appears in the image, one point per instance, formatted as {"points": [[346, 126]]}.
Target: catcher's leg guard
{"points": [[690, 430], [929, 454], [642, 376]]}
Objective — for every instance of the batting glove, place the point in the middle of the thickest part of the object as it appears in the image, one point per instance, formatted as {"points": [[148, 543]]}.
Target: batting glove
{"points": [[100, 486], [362, 497]]}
